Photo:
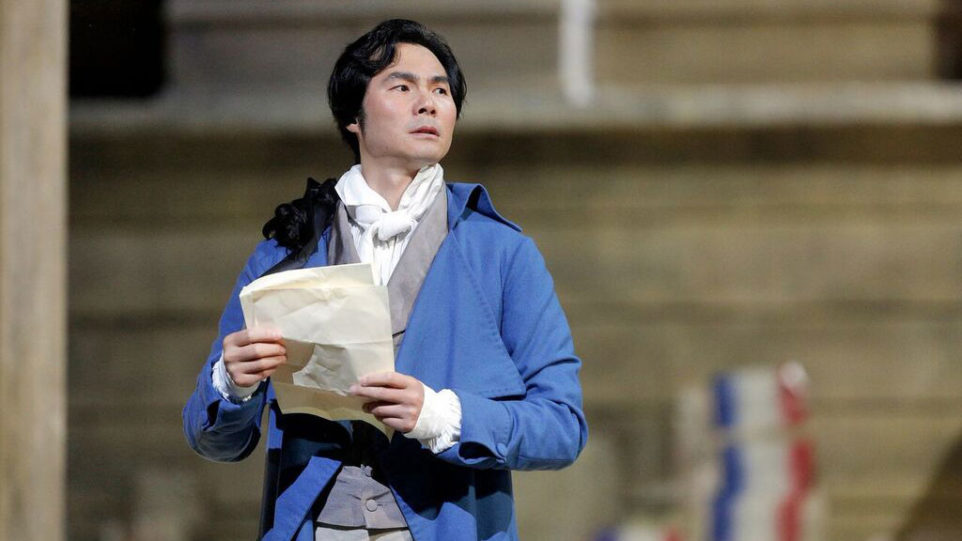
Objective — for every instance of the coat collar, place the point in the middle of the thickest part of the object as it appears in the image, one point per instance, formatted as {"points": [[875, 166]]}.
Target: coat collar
{"points": [[464, 199]]}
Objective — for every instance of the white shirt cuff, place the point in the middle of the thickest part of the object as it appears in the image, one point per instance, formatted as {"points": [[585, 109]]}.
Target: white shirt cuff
{"points": [[230, 390], [439, 424]]}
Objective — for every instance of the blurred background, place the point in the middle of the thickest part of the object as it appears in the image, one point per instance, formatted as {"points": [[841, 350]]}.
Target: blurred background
{"points": [[719, 187]]}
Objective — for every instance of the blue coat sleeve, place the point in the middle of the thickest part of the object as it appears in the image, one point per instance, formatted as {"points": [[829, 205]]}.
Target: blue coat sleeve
{"points": [[216, 428], [546, 428]]}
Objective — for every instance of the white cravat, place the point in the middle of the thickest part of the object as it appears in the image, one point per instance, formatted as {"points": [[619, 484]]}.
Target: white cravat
{"points": [[381, 234]]}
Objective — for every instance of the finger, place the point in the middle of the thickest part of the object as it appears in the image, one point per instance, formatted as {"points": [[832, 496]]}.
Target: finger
{"points": [[253, 335], [387, 379], [253, 352], [401, 425], [385, 410], [267, 373], [382, 394], [249, 368], [247, 378], [369, 406], [260, 350]]}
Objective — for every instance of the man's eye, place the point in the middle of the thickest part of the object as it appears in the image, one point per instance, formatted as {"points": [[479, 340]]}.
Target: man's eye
{"points": [[442, 91], [403, 88]]}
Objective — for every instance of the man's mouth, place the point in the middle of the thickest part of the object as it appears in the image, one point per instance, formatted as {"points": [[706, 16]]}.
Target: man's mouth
{"points": [[426, 129]]}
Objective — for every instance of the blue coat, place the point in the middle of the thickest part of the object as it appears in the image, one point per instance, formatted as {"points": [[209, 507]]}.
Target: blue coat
{"points": [[487, 325]]}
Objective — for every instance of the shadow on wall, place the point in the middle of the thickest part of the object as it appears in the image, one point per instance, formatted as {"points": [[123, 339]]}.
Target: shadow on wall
{"points": [[936, 516], [948, 37]]}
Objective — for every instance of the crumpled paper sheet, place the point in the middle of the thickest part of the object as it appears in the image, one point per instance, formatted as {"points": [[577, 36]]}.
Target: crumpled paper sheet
{"points": [[336, 326]]}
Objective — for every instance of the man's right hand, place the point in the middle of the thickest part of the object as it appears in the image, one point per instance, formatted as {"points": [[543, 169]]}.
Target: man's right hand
{"points": [[251, 355]]}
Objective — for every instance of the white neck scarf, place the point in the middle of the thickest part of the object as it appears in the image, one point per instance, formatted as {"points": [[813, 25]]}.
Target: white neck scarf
{"points": [[380, 234]]}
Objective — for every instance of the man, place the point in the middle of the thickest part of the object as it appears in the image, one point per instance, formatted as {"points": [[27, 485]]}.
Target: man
{"points": [[486, 378]]}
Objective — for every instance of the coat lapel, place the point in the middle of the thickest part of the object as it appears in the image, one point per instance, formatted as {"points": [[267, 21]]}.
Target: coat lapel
{"points": [[453, 339], [408, 276]]}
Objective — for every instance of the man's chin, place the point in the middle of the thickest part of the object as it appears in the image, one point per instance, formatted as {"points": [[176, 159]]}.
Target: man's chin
{"points": [[427, 160]]}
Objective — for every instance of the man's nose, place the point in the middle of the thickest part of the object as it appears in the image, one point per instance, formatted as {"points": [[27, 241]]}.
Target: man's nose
{"points": [[425, 104]]}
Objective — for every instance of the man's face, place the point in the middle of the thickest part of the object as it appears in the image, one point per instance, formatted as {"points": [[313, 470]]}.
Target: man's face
{"points": [[408, 112]]}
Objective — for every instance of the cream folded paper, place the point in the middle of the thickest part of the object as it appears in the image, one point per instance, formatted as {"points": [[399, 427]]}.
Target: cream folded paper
{"points": [[336, 326]]}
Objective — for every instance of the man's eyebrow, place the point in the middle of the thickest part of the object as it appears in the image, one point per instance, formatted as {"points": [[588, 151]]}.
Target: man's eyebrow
{"points": [[412, 78]]}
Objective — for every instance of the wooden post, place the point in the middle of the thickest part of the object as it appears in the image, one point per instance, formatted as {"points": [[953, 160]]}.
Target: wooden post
{"points": [[32, 269]]}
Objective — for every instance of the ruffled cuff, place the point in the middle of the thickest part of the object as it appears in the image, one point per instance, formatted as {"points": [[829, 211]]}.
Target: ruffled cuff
{"points": [[439, 424], [232, 391]]}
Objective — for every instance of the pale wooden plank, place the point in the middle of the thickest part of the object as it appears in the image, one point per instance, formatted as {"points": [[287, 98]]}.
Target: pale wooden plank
{"points": [[534, 194], [755, 262], [767, 9], [227, 53], [848, 361], [135, 272], [832, 190], [755, 49], [141, 367], [872, 455], [699, 263], [33, 239]]}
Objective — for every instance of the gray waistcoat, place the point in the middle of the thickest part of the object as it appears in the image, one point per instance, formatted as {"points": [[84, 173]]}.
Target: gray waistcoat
{"points": [[358, 498]]}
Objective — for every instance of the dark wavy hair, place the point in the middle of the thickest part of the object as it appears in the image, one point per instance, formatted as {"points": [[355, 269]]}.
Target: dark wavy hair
{"points": [[297, 225], [369, 55]]}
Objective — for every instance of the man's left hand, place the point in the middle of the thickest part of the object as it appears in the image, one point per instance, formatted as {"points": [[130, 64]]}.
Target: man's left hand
{"points": [[395, 399]]}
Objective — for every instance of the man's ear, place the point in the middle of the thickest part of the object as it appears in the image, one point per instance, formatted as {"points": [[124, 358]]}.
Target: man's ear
{"points": [[353, 127]]}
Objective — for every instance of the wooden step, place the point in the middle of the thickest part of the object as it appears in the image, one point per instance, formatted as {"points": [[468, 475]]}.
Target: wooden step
{"points": [[750, 41], [771, 116], [865, 362], [295, 43]]}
